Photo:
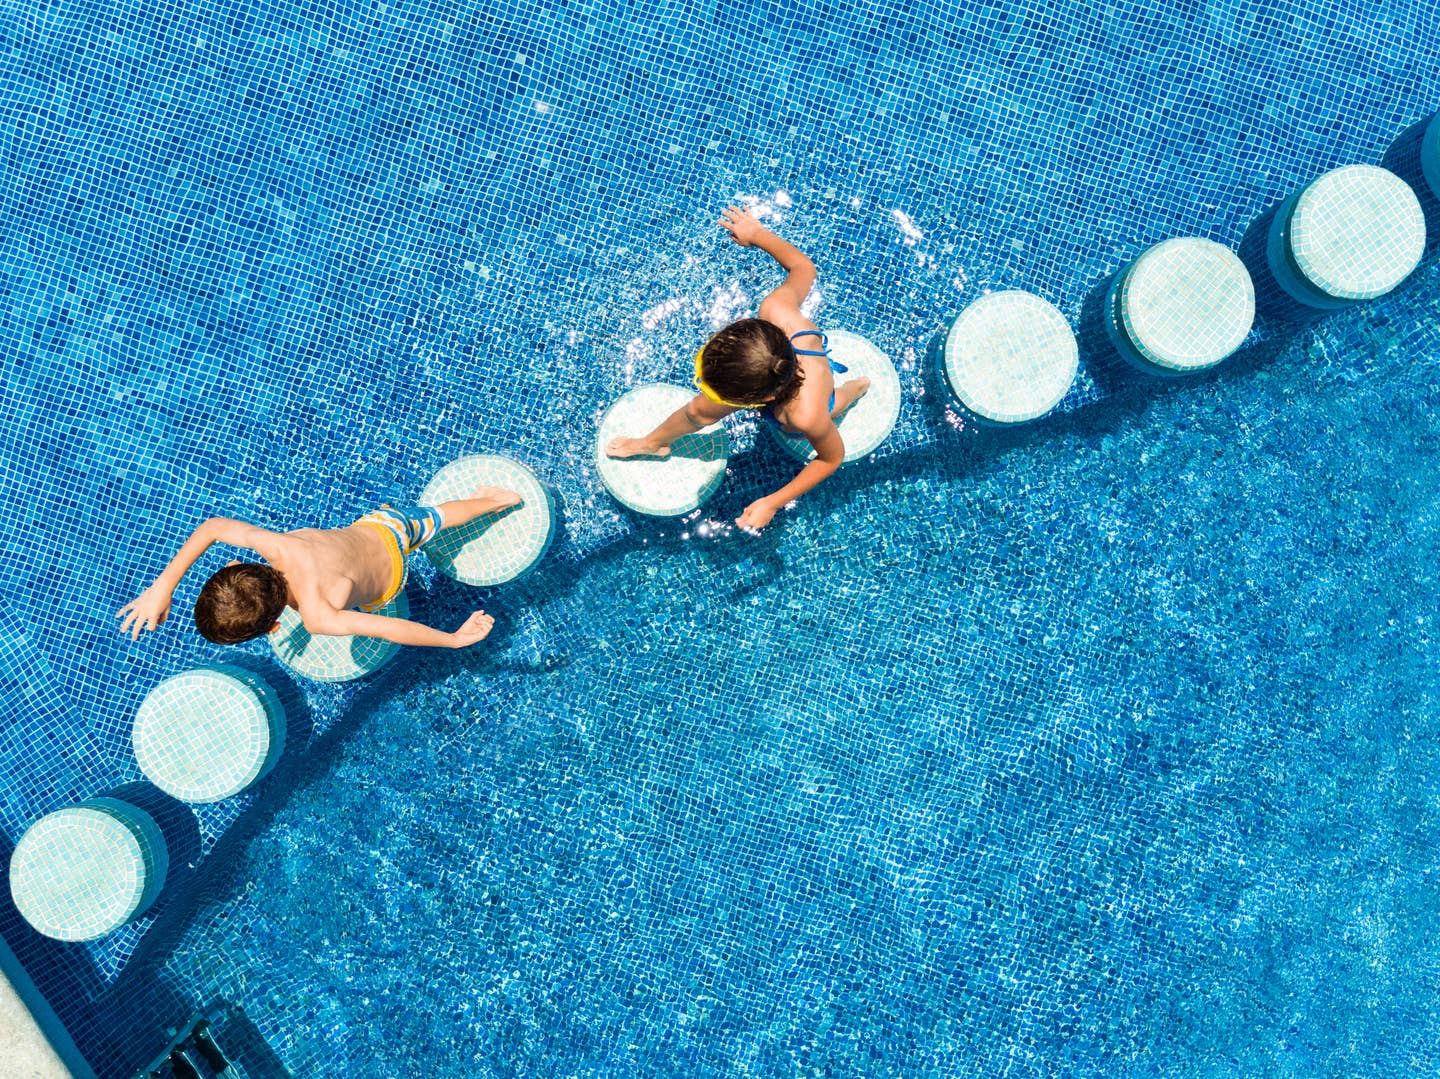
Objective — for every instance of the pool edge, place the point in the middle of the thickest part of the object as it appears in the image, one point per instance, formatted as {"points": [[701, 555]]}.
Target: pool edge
{"points": [[33, 1042]]}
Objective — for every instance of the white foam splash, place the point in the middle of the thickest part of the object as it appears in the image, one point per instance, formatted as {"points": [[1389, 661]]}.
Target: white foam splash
{"points": [[726, 304], [810, 306], [712, 528], [782, 199], [758, 208], [660, 312], [907, 227], [636, 352]]}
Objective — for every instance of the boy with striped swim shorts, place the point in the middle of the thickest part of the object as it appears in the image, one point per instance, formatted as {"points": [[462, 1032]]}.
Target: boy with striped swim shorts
{"points": [[336, 578]]}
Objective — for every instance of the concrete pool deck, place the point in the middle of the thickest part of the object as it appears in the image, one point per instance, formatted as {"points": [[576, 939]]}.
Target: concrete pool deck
{"points": [[33, 1044]]}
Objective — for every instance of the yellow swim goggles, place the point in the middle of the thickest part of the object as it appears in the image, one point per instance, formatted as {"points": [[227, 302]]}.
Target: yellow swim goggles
{"points": [[707, 391]]}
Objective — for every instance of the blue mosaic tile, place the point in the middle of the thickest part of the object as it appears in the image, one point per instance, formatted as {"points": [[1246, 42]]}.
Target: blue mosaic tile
{"points": [[1101, 747]]}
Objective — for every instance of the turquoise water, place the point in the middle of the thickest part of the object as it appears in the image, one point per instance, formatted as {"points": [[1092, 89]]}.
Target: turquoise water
{"points": [[1106, 748], [1103, 747]]}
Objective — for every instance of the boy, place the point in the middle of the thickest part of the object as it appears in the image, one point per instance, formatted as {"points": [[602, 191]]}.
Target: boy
{"points": [[321, 572]]}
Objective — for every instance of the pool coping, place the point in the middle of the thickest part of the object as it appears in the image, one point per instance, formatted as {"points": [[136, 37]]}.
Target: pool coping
{"points": [[33, 1043]]}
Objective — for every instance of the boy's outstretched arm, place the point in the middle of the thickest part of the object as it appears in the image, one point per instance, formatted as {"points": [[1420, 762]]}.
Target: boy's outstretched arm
{"points": [[151, 608], [779, 306], [402, 631]]}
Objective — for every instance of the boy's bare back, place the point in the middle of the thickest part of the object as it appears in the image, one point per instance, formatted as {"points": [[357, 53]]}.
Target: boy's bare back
{"points": [[329, 569]]}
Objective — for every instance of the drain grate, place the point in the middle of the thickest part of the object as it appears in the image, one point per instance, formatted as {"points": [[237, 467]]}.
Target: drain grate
{"points": [[217, 1043]]}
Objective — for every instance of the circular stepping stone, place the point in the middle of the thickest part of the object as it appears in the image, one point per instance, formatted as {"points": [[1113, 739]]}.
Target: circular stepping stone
{"points": [[334, 659], [1010, 357], [495, 548], [656, 486], [1352, 234], [206, 735], [85, 871], [1184, 305], [870, 420], [1430, 154]]}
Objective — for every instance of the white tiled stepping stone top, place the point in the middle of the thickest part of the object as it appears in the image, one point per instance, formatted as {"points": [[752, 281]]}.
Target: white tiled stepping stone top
{"points": [[1357, 232], [495, 548], [870, 420], [85, 871], [334, 659], [660, 487], [1186, 304], [206, 735], [1010, 357]]}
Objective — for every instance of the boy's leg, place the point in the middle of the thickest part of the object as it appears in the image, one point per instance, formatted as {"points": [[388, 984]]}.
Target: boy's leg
{"points": [[482, 501]]}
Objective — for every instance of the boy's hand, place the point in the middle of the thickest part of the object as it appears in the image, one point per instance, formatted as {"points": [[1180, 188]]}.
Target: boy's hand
{"points": [[476, 628], [148, 610], [757, 515], [743, 228]]}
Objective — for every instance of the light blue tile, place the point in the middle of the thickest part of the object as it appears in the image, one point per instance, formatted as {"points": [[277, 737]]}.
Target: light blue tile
{"points": [[206, 735], [495, 548]]}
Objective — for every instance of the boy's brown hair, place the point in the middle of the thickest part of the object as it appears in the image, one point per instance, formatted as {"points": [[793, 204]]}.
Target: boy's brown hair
{"points": [[752, 362], [240, 603]]}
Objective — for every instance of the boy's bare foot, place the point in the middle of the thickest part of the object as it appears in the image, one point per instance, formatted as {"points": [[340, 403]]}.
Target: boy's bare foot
{"points": [[495, 499], [635, 447], [846, 395]]}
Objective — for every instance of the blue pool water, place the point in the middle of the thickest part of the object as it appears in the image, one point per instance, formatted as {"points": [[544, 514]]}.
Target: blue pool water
{"points": [[1106, 747]]}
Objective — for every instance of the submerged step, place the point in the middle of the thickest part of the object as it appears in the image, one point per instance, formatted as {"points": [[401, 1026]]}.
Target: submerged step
{"points": [[1183, 305], [1430, 154], [1010, 357], [208, 734], [660, 486], [33, 1041], [84, 871], [499, 547], [1353, 234]]}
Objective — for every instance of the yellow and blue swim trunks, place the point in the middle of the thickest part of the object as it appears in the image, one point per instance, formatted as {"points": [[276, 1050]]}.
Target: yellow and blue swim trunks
{"points": [[411, 528]]}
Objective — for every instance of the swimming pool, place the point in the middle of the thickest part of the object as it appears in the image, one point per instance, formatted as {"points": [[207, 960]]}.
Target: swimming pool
{"points": [[1101, 747]]}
